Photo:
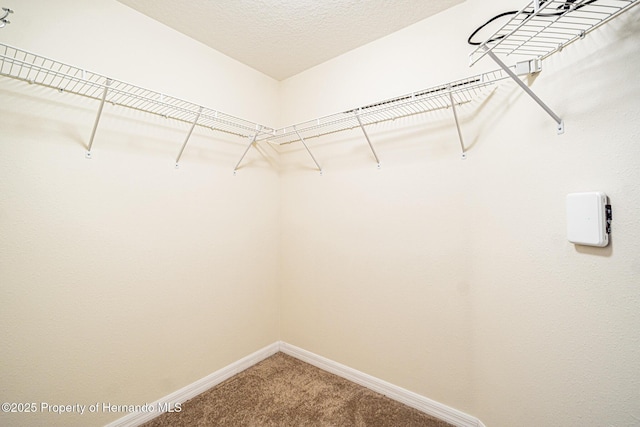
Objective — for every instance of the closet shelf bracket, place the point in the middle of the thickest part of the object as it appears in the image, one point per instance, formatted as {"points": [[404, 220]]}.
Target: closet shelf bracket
{"points": [[544, 27], [35, 69], [367, 137], [455, 116], [307, 148], [184, 144], [95, 124], [246, 150], [510, 73]]}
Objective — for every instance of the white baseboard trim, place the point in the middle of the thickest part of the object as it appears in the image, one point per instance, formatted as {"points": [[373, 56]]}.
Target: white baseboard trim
{"points": [[409, 398], [190, 391]]}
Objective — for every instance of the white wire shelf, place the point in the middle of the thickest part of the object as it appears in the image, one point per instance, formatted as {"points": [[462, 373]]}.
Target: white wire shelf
{"points": [[36, 69], [544, 27], [424, 101], [540, 29]]}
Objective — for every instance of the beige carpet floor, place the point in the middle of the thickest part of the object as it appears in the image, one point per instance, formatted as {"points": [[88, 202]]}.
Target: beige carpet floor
{"points": [[284, 391]]}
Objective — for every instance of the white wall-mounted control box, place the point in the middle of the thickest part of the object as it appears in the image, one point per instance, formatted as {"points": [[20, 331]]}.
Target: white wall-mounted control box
{"points": [[588, 218]]}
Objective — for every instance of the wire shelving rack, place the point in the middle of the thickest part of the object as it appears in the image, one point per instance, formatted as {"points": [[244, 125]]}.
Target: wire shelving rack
{"points": [[449, 95], [35, 69], [544, 27], [540, 29], [432, 99]]}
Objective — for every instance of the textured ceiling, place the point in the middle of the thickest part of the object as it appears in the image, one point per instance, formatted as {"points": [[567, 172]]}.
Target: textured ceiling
{"points": [[284, 37]]}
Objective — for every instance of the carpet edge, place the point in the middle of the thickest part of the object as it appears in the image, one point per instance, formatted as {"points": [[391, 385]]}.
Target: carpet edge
{"points": [[409, 398], [399, 394], [190, 391]]}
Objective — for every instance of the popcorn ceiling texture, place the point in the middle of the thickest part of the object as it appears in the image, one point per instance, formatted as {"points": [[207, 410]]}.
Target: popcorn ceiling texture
{"points": [[284, 37]]}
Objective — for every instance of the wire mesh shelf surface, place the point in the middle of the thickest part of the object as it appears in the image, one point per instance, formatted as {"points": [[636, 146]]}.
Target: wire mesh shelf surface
{"points": [[542, 27], [35, 69], [424, 101], [539, 29]]}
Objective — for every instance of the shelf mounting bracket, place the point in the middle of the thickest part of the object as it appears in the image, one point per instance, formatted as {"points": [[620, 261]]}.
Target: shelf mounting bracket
{"points": [[367, 138], [95, 124], [545, 107], [246, 150], [307, 148], [455, 116], [184, 144]]}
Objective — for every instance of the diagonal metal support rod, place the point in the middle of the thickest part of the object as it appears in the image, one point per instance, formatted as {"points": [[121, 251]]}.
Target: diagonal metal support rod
{"points": [[184, 144], [455, 116], [307, 148], [524, 87], [95, 124], [368, 140], [253, 139]]}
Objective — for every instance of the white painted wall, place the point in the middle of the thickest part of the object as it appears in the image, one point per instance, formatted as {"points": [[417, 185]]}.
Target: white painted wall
{"points": [[112, 39], [123, 279], [454, 278]]}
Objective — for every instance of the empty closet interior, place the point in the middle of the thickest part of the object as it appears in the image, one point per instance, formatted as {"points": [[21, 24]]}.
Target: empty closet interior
{"points": [[166, 210]]}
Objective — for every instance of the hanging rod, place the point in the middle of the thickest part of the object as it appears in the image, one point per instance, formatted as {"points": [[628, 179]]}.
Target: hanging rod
{"points": [[35, 69], [542, 28], [424, 101]]}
